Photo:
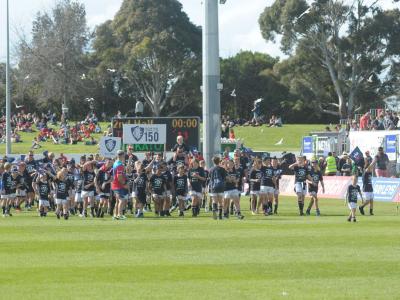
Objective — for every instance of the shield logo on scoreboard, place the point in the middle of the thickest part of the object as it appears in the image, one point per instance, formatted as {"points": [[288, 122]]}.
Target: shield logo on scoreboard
{"points": [[137, 133], [110, 145]]}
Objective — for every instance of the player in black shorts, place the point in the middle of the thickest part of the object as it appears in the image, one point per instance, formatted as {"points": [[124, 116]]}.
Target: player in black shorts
{"points": [[217, 186], [317, 178]]}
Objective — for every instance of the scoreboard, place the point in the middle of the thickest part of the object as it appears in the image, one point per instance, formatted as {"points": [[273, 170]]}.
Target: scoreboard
{"points": [[188, 127]]}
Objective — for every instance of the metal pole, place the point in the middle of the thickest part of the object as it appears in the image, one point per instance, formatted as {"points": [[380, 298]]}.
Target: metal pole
{"points": [[8, 89], [211, 80]]}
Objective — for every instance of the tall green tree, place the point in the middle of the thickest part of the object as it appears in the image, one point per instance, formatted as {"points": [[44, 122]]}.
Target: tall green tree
{"points": [[351, 44], [52, 64], [154, 52], [251, 76]]}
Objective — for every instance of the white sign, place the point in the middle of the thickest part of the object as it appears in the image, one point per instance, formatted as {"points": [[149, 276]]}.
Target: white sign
{"points": [[155, 134], [109, 146], [371, 140]]}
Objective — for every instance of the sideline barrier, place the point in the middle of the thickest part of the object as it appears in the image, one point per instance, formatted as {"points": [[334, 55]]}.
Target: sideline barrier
{"points": [[385, 189]]}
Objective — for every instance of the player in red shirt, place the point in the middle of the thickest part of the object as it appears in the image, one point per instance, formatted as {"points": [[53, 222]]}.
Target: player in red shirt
{"points": [[119, 186]]}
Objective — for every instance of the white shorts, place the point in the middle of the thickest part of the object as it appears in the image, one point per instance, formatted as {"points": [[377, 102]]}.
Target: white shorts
{"points": [[267, 190], [216, 194], [9, 196], [133, 195], [300, 188], [352, 205], [86, 194], [71, 193], [20, 193], [44, 203], [61, 201], [255, 193], [195, 194], [369, 196], [156, 196], [231, 194], [78, 197]]}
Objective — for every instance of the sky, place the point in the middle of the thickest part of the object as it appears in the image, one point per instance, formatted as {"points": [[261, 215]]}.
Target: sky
{"points": [[239, 29]]}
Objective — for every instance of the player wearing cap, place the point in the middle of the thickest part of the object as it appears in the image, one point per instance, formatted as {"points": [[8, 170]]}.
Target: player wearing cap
{"points": [[301, 175], [119, 186], [317, 178]]}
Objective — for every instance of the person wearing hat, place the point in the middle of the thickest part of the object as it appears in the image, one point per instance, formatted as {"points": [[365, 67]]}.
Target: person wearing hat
{"points": [[317, 178], [119, 186]]}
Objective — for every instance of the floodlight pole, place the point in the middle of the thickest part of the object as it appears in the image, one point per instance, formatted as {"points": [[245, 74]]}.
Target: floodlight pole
{"points": [[211, 83], [8, 88]]}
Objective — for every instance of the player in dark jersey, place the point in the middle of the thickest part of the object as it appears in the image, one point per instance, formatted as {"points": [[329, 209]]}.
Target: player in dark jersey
{"points": [[168, 186], [88, 188], [196, 179], [368, 189], [255, 176], [205, 203], [267, 188], [231, 193], [42, 189], [240, 175], [8, 190], [351, 197], [217, 186], [181, 188], [61, 185], [103, 187], [317, 178], [22, 186], [157, 187], [277, 174], [31, 167], [301, 174], [139, 188]]}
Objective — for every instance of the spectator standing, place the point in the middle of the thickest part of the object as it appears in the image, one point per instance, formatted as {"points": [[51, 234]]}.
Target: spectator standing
{"points": [[365, 121], [382, 161], [331, 166]]}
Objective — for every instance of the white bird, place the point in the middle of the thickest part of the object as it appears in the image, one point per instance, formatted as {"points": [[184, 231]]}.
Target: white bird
{"points": [[307, 11], [59, 65], [279, 143], [83, 77], [18, 106], [233, 94], [27, 77], [111, 70], [371, 78], [258, 100]]}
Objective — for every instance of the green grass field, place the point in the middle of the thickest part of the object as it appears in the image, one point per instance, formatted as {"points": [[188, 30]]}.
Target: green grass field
{"points": [[264, 138], [279, 257], [257, 138]]}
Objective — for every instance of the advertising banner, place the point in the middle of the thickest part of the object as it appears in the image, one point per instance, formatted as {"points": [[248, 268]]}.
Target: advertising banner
{"points": [[391, 146], [308, 146], [109, 146], [154, 134]]}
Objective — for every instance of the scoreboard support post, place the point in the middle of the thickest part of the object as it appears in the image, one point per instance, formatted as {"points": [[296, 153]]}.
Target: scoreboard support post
{"points": [[211, 83]]}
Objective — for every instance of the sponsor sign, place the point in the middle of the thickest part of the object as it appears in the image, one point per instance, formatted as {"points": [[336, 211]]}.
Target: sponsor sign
{"points": [[109, 146], [308, 146], [154, 134], [391, 146], [385, 189]]}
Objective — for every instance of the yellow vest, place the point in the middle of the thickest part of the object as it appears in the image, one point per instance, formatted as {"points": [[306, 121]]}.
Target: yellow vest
{"points": [[330, 165]]}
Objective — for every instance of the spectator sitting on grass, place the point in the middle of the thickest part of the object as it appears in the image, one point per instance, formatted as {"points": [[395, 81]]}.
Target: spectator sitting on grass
{"points": [[15, 137], [35, 144]]}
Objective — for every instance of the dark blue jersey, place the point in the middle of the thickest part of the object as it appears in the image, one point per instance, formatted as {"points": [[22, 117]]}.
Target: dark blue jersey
{"points": [[267, 176], [181, 185], [352, 193]]}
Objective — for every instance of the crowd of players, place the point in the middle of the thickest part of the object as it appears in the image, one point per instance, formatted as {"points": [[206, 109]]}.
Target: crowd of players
{"points": [[96, 187]]}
